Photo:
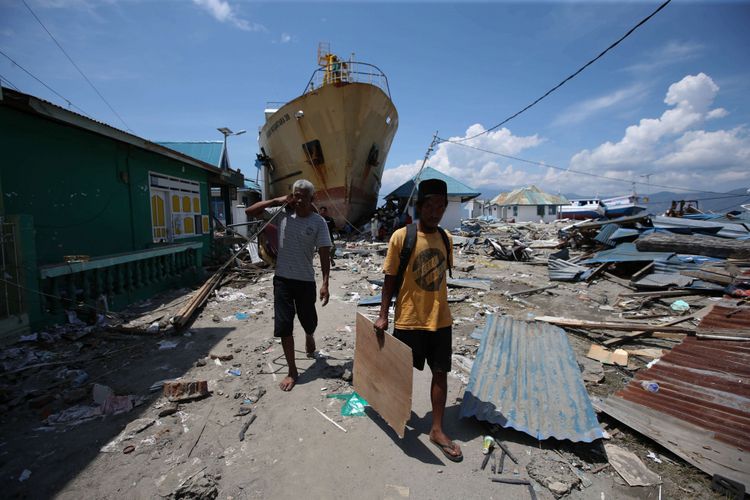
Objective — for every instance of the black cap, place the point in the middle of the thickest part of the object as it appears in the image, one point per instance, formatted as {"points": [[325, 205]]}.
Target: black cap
{"points": [[429, 187]]}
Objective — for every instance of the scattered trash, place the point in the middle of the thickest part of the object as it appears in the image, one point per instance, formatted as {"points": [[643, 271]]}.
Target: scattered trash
{"points": [[680, 306], [24, 475], [617, 357], [650, 386], [234, 371], [354, 404], [654, 457], [329, 419], [168, 344], [630, 467]]}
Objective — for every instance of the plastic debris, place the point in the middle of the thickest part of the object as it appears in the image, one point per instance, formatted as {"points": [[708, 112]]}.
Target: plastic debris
{"points": [[680, 306]]}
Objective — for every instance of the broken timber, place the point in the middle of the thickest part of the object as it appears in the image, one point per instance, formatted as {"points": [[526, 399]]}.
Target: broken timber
{"points": [[597, 325], [695, 244]]}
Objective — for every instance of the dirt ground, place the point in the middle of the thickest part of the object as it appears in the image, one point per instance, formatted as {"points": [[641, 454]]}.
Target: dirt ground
{"points": [[290, 450]]}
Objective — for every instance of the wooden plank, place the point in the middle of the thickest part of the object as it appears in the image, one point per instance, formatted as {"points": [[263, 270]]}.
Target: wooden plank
{"points": [[694, 244], [628, 327], [721, 279], [641, 333], [642, 272], [383, 374], [630, 467]]}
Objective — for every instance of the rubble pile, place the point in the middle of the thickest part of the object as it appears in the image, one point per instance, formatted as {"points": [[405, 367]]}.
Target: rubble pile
{"points": [[182, 381]]}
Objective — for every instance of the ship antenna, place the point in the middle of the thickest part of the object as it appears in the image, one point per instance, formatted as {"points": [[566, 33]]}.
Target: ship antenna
{"points": [[424, 161]]}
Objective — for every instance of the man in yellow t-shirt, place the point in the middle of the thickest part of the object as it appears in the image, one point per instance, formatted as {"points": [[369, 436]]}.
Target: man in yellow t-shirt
{"points": [[423, 320]]}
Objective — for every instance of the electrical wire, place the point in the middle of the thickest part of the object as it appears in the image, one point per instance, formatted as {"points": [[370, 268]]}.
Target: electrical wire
{"points": [[70, 103], [566, 80], [735, 205], [548, 165], [3, 79], [76, 67]]}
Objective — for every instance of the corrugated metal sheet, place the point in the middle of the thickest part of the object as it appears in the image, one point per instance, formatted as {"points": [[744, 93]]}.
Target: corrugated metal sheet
{"points": [[455, 187], [605, 235], [625, 233], [626, 252], [525, 376], [530, 195], [727, 319], [206, 151], [663, 280], [706, 384], [679, 262], [562, 270]]}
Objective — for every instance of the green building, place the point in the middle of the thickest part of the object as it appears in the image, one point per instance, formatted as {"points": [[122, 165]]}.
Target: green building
{"points": [[94, 215]]}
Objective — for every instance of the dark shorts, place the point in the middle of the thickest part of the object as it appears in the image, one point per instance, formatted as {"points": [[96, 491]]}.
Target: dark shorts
{"points": [[435, 347], [290, 297]]}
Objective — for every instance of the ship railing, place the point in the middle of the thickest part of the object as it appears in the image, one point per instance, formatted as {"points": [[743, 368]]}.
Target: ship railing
{"points": [[343, 72]]}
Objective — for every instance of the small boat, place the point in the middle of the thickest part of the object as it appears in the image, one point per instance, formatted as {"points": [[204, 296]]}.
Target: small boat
{"points": [[582, 209], [336, 134], [622, 205]]}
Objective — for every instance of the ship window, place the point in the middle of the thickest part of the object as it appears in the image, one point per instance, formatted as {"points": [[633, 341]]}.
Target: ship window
{"points": [[314, 152]]}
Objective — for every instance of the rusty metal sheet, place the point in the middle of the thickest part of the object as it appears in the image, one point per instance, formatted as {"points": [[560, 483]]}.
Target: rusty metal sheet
{"points": [[729, 319], [703, 403], [525, 376]]}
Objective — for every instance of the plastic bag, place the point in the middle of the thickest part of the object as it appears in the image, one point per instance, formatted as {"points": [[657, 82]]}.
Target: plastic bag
{"points": [[354, 404]]}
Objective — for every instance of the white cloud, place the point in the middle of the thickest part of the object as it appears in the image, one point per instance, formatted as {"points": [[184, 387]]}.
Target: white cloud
{"points": [[474, 168], [286, 38], [581, 111], [671, 53], [673, 149], [223, 12]]}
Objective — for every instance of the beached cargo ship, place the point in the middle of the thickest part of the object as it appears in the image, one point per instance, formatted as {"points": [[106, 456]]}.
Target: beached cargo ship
{"points": [[337, 134]]}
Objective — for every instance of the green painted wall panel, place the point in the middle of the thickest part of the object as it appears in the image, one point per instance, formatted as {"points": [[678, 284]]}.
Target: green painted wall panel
{"points": [[87, 194]]}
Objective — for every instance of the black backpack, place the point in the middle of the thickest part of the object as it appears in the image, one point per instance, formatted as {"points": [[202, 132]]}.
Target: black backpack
{"points": [[409, 243]]}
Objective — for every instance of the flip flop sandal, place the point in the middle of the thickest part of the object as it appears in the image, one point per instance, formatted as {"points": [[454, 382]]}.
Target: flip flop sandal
{"points": [[444, 448]]}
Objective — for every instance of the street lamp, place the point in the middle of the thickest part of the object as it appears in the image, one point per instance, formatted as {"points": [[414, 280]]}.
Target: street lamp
{"points": [[224, 163]]}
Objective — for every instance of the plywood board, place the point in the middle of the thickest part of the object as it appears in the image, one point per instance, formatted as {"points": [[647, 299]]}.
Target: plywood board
{"points": [[630, 467], [383, 374], [616, 357]]}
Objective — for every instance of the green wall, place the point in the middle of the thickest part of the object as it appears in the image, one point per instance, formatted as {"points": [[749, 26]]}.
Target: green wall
{"points": [[87, 194]]}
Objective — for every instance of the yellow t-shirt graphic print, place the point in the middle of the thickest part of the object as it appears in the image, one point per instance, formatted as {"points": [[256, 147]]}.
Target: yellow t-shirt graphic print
{"points": [[423, 299]]}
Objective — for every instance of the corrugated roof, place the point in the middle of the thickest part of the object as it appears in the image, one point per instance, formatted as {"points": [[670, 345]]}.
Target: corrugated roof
{"points": [[678, 262], [626, 252], [455, 187], [530, 195], [728, 319], [605, 235], [702, 409], [206, 151], [562, 270], [525, 376]]}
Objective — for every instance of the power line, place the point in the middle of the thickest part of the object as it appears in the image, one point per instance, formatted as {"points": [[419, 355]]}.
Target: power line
{"points": [[47, 86], [732, 206], [592, 61], [76, 67], [3, 79], [548, 165]]}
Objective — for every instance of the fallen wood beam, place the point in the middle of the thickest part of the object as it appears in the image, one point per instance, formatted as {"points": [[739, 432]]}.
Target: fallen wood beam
{"points": [[713, 277], [662, 293], [638, 275], [599, 270], [641, 333], [533, 290], [614, 279], [599, 325], [695, 244]]}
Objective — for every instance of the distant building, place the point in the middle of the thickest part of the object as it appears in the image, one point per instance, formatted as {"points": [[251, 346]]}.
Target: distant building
{"points": [[458, 194], [94, 215], [527, 204]]}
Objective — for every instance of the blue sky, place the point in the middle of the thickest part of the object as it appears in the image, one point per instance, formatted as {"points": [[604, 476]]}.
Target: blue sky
{"points": [[670, 101]]}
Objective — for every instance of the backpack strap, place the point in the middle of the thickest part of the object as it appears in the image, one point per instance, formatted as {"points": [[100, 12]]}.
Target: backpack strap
{"points": [[410, 241], [448, 249]]}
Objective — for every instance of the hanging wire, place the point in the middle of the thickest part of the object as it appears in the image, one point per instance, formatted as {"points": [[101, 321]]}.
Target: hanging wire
{"points": [[580, 172], [576, 73], [77, 68], [70, 103]]}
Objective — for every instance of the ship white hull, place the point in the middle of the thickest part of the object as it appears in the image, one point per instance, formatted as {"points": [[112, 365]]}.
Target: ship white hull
{"points": [[354, 124]]}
